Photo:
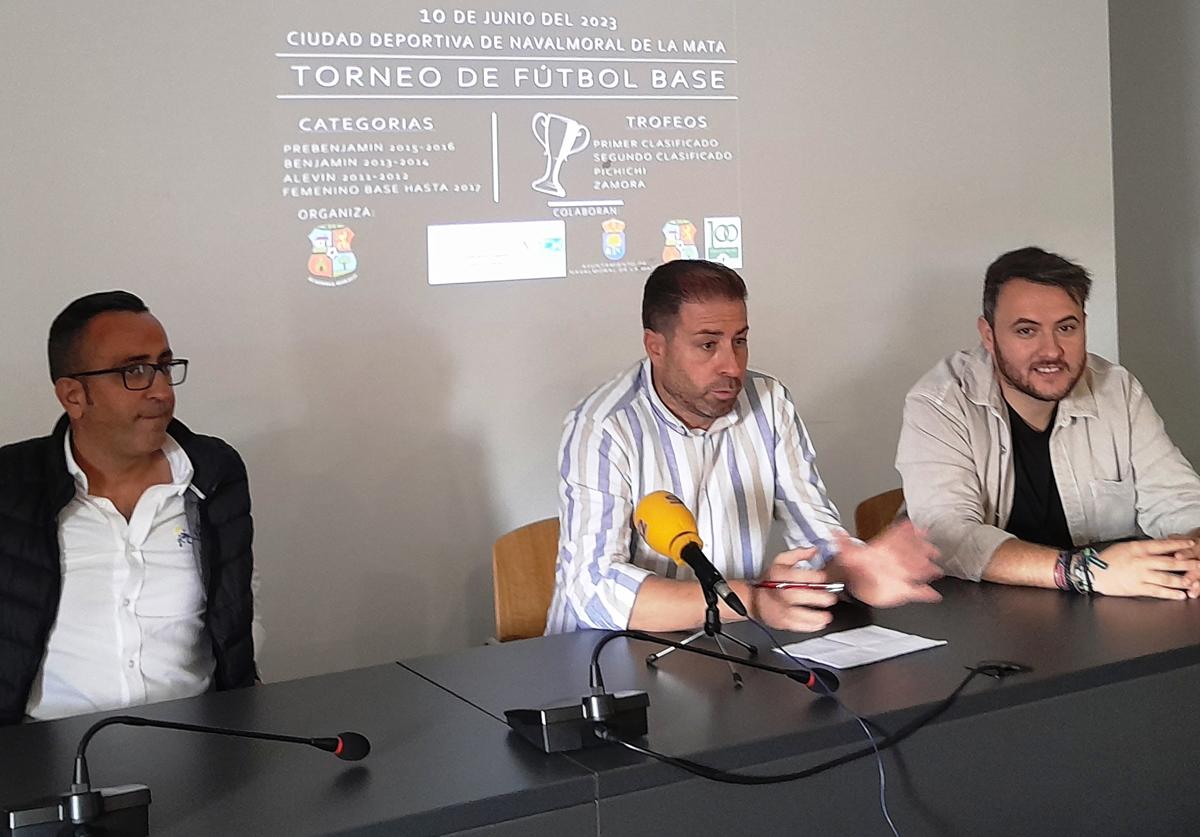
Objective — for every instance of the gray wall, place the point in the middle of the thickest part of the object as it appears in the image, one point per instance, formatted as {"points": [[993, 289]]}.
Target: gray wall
{"points": [[1155, 56], [393, 430]]}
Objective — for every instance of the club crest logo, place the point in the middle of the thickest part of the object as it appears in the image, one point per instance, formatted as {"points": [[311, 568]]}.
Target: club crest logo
{"points": [[613, 243], [679, 240], [332, 262]]}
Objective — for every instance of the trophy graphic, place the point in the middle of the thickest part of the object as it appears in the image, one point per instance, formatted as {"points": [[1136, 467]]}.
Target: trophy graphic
{"points": [[559, 137]]}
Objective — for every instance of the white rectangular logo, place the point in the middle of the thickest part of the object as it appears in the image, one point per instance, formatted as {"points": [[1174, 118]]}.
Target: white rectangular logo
{"points": [[497, 252]]}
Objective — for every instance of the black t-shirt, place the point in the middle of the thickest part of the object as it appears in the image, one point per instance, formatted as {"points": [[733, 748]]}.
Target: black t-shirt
{"points": [[1037, 512]]}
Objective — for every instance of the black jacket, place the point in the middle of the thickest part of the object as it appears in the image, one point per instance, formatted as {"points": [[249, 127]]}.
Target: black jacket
{"points": [[35, 486]]}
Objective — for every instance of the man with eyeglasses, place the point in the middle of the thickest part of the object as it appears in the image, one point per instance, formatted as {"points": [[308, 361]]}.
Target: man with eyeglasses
{"points": [[125, 538]]}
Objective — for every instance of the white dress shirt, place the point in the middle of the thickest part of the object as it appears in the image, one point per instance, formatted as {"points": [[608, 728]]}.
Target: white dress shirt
{"points": [[130, 626]]}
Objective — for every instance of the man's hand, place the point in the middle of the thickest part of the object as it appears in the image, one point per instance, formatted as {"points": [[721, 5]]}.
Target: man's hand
{"points": [[1193, 577], [1150, 568], [792, 610], [894, 568]]}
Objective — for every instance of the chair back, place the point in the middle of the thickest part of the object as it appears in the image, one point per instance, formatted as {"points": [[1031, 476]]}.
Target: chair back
{"points": [[875, 514], [523, 578]]}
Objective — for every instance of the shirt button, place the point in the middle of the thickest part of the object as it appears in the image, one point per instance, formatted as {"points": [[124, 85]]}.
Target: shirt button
{"points": [[125, 602], [130, 663]]}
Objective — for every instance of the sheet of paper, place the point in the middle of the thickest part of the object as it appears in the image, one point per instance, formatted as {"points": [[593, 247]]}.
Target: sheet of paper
{"points": [[859, 646]]}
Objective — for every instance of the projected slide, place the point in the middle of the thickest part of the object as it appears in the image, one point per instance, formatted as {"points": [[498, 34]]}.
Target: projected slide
{"points": [[468, 144]]}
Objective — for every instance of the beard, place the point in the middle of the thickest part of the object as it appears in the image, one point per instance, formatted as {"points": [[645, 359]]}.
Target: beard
{"points": [[1026, 380], [705, 403]]}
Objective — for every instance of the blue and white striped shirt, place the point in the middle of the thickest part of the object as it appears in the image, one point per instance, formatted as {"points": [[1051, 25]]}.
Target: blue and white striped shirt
{"points": [[621, 443]]}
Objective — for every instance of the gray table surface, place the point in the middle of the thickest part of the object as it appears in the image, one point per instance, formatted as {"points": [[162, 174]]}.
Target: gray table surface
{"points": [[443, 761], [436, 763], [1072, 643]]}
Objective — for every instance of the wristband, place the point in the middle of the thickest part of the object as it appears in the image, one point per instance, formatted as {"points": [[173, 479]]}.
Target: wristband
{"points": [[1079, 569], [1061, 581]]}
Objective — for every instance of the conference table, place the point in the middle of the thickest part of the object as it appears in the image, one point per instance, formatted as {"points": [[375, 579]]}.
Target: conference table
{"points": [[1099, 738]]}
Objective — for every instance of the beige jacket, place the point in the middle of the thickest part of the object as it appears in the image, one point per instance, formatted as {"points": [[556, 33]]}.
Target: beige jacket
{"points": [[1118, 473]]}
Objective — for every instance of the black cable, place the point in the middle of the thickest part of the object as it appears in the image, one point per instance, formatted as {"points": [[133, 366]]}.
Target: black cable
{"points": [[718, 775], [887, 816]]}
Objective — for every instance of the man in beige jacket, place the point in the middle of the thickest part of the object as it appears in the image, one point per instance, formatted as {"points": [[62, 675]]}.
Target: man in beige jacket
{"points": [[1030, 461]]}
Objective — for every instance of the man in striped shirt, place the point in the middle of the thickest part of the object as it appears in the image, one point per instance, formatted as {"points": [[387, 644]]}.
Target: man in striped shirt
{"points": [[689, 418]]}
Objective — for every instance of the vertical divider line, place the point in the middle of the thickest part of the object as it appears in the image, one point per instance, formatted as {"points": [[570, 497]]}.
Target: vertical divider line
{"points": [[495, 161]]}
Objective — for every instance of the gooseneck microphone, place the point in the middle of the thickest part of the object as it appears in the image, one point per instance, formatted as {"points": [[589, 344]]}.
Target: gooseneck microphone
{"points": [[122, 810], [561, 728], [667, 526]]}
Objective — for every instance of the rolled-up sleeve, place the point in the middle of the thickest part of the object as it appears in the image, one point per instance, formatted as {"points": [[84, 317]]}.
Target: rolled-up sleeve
{"points": [[941, 487], [595, 583]]}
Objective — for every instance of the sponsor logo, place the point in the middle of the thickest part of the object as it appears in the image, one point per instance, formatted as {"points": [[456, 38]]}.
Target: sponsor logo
{"points": [[723, 240], [613, 243], [332, 262]]}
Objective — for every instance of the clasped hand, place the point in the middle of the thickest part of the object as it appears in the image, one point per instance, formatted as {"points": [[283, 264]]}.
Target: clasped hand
{"points": [[1168, 568]]}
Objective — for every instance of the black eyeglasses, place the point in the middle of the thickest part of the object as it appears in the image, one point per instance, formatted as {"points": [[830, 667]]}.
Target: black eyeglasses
{"points": [[140, 376]]}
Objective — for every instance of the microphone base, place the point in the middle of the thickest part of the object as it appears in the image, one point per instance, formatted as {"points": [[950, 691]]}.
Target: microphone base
{"points": [[564, 727], [124, 812]]}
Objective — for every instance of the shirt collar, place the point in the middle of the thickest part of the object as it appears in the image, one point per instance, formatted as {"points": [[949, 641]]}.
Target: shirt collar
{"points": [[980, 380], [1081, 400], [672, 421], [983, 389], [181, 465]]}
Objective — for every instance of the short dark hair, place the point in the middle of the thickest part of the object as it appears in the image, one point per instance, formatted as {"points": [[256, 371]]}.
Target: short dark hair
{"points": [[68, 327], [1034, 265], [686, 280]]}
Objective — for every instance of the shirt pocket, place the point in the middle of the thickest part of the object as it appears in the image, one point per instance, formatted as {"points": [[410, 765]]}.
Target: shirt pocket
{"points": [[172, 588], [1114, 510]]}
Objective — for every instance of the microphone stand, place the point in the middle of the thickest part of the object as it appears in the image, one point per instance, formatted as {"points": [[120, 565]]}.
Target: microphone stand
{"points": [[820, 680], [712, 628]]}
